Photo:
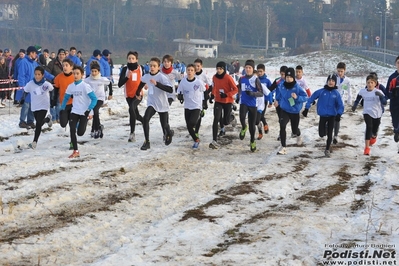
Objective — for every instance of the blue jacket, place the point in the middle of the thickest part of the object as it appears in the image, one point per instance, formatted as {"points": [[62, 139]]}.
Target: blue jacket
{"points": [[87, 67], [251, 84], [105, 65], [283, 95], [26, 73], [394, 99], [329, 102], [264, 80], [75, 60]]}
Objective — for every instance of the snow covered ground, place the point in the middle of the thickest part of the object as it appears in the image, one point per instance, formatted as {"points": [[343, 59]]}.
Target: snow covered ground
{"points": [[170, 205]]}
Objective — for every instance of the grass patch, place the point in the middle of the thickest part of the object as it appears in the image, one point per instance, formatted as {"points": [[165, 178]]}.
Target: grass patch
{"points": [[323, 195], [357, 205], [365, 188], [343, 175], [241, 189], [113, 173], [199, 212]]}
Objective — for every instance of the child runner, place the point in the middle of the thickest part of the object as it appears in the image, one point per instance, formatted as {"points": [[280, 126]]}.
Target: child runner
{"points": [[39, 90], [374, 99], [130, 79], [249, 87], [261, 72], [157, 101], [301, 80], [191, 91], [393, 94], [61, 83], [272, 89], [200, 74], [290, 97], [172, 74], [329, 108], [84, 100], [344, 87], [223, 91], [97, 83]]}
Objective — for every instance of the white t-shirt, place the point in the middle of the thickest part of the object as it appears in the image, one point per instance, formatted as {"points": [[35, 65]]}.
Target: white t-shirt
{"points": [[193, 93], [156, 97], [81, 99], [173, 77], [97, 84], [40, 95], [302, 82], [260, 101], [371, 103], [345, 87], [204, 78]]}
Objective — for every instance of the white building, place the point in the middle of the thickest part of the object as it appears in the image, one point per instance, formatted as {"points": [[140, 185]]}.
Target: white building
{"points": [[198, 47], [8, 12]]}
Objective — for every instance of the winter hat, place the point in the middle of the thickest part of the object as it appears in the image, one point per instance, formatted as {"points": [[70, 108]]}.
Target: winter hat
{"points": [[31, 49], [290, 72], [61, 50], [38, 48], [22, 51], [221, 64], [96, 53], [6, 50], [333, 77], [46, 51], [250, 62], [106, 52]]}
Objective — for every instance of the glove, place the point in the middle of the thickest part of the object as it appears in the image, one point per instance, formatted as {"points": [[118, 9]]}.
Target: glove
{"points": [[305, 112], [223, 95], [379, 93], [234, 107], [87, 113], [22, 101], [237, 99], [314, 102], [211, 99], [249, 93], [353, 108], [338, 118], [180, 98]]}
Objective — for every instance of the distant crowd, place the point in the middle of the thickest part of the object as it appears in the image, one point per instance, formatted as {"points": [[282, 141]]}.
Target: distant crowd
{"points": [[64, 89]]}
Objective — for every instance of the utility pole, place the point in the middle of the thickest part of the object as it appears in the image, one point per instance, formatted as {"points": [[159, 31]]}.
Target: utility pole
{"points": [[267, 30], [113, 22], [385, 36], [225, 30]]}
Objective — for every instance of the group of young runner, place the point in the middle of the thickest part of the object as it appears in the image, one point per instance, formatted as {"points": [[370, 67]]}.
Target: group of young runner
{"points": [[254, 93]]}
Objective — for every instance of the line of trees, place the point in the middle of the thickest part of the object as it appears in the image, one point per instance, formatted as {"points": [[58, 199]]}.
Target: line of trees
{"points": [[150, 26]]}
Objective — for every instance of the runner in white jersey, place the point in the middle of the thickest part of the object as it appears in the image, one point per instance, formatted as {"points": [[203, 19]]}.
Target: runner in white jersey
{"points": [[84, 100], [39, 90], [158, 85], [173, 75], [97, 83], [374, 100], [191, 91]]}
